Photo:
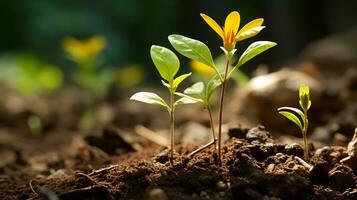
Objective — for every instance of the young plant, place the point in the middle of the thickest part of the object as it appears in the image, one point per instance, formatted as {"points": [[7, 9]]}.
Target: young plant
{"points": [[230, 34], [86, 54], [29, 74], [167, 64], [200, 93], [299, 117]]}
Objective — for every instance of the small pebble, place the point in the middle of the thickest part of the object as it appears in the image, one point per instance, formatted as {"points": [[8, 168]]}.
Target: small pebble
{"points": [[221, 186], [157, 194], [270, 167], [341, 177]]}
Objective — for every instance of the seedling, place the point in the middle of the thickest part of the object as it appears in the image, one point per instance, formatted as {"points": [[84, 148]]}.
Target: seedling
{"points": [[167, 64], [200, 93], [29, 74], [197, 50], [35, 125], [86, 54], [299, 117]]}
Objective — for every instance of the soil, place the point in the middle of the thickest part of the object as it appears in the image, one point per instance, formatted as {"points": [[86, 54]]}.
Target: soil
{"points": [[254, 167]]}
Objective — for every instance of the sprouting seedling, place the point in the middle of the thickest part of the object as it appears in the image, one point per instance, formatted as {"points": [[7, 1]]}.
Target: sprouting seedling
{"points": [[299, 117], [167, 64], [202, 94], [35, 125], [230, 34]]}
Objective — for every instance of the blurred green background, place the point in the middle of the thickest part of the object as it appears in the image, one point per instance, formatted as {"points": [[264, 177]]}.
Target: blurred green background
{"points": [[131, 26]]}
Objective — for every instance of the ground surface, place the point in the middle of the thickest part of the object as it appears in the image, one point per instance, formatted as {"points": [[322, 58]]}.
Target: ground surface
{"points": [[254, 167]]}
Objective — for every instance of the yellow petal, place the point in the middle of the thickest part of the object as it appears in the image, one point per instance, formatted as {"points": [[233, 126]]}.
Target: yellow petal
{"points": [[74, 48], [232, 23], [251, 29], [95, 44], [201, 68], [213, 24]]}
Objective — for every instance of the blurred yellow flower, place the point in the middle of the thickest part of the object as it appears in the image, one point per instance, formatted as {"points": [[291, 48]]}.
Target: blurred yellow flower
{"points": [[229, 33], [130, 76], [202, 68], [83, 50]]}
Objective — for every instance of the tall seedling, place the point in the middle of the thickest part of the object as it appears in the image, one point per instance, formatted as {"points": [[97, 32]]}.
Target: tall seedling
{"points": [[167, 64], [230, 35]]}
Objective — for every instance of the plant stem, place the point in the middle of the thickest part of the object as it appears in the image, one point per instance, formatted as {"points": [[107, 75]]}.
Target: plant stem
{"points": [[172, 128], [304, 133], [223, 86], [212, 126]]}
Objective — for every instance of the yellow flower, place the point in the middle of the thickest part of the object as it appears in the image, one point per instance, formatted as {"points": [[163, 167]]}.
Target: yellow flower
{"points": [[229, 33], [85, 50], [202, 68]]}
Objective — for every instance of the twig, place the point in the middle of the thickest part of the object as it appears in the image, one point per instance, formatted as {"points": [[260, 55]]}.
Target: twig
{"points": [[102, 169], [151, 135], [305, 164], [87, 177], [30, 184], [200, 149]]}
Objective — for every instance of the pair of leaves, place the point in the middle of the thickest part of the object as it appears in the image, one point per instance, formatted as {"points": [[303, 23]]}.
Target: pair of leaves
{"points": [[199, 93], [197, 50], [154, 99], [293, 114]]}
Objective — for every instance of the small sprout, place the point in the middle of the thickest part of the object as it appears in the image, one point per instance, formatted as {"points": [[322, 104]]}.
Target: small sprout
{"points": [[200, 93], [299, 117], [86, 54], [230, 34], [35, 125], [167, 64]]}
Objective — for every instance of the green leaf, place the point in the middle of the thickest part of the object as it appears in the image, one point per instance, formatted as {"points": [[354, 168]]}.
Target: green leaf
{"points": [[253, 50], [212, 84], [149, 98], [165, 84], [185, 100], [193, 49], [294, 110], [196, 88], [166, 62], [189, 97], [292, 117], [179, 79], [304, 95]]}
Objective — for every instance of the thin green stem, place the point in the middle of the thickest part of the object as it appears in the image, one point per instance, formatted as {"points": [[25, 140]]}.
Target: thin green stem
{"points": [[223, 86], [304, 133], [172, 127]]}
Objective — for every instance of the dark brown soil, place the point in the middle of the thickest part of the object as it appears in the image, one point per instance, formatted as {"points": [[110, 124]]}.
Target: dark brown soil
{"points": [[254, 167]]}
